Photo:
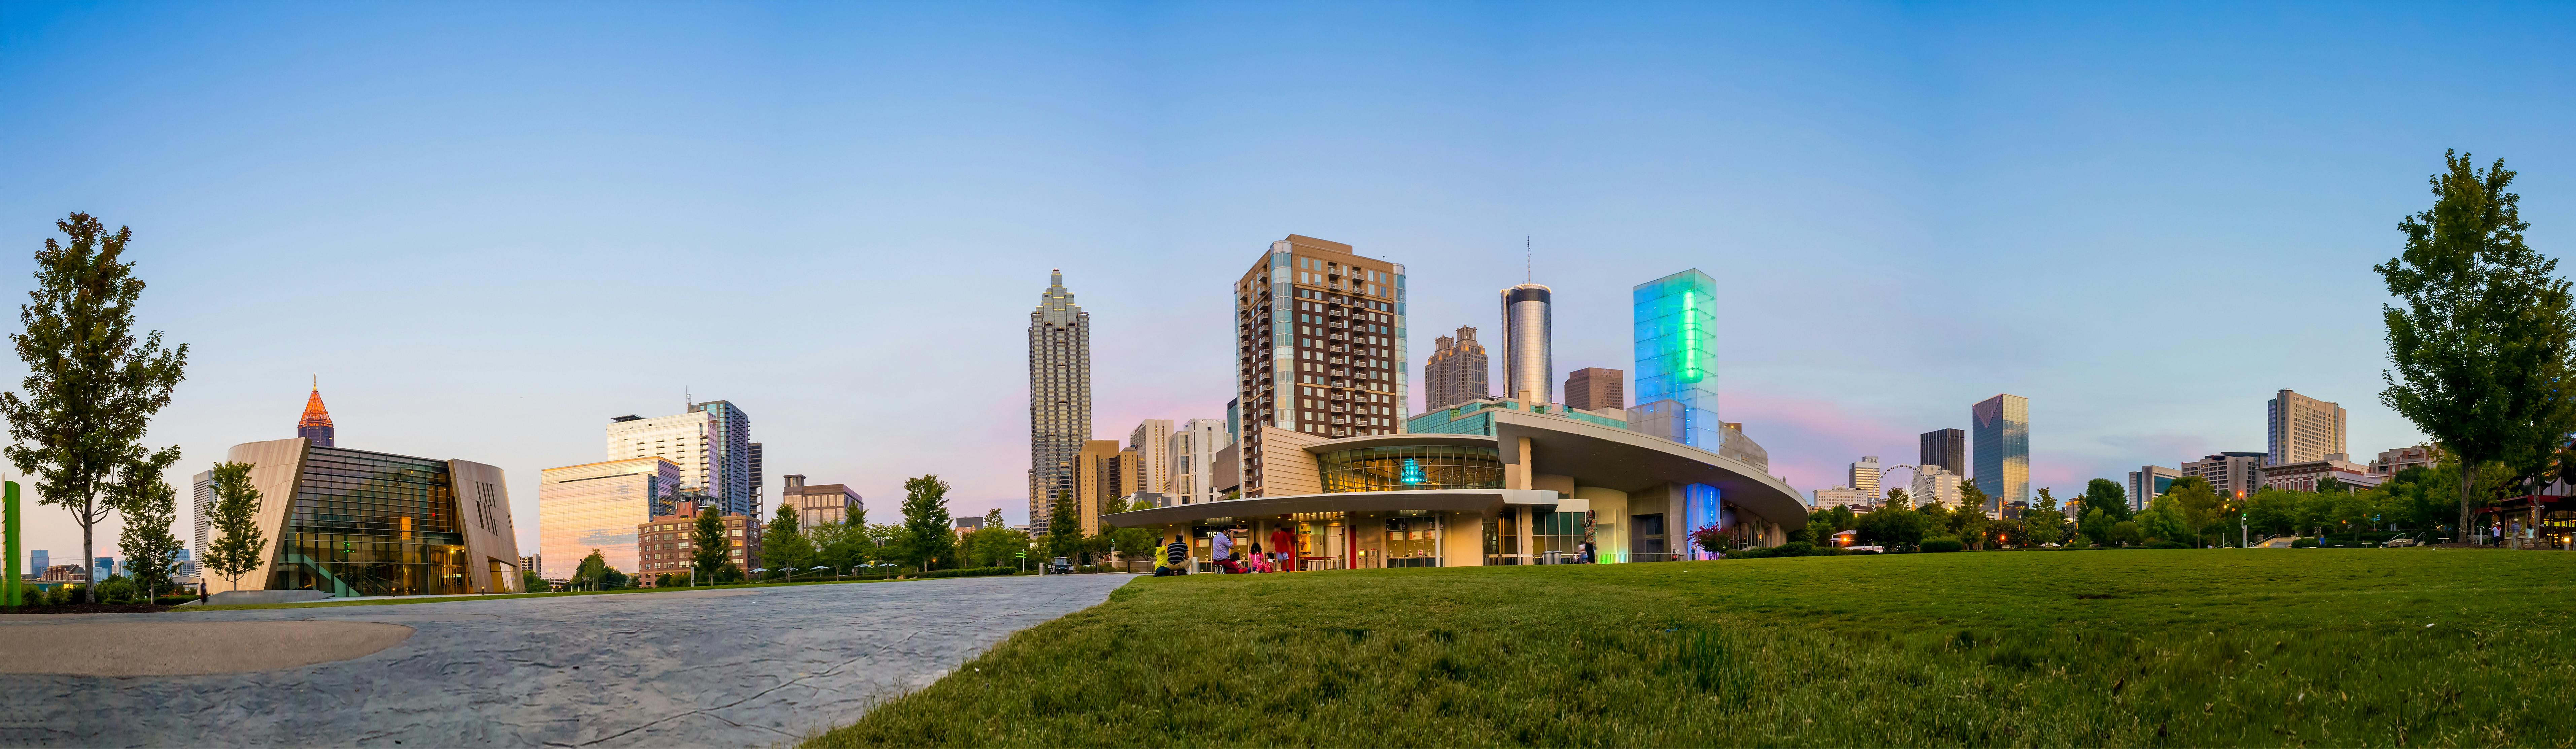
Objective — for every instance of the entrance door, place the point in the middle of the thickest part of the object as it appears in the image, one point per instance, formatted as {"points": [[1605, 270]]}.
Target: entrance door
{"points": [[1649, 545]]}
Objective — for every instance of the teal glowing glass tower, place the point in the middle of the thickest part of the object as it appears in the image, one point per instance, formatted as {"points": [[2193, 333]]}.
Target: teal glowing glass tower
{"points": [[1676, 325]]}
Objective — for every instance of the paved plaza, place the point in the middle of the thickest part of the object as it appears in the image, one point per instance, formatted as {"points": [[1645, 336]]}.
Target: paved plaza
{"points": [[742, 667]]}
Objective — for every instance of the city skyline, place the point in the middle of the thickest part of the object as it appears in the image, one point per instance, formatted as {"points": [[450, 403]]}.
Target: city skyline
{"points": [[1884, 144]]}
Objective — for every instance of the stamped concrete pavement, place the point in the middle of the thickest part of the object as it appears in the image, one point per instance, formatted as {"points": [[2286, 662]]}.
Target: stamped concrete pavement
{"points": [[637, 669]]}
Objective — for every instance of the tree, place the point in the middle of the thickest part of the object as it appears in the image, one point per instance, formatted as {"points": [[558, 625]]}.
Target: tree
{"points": [[709, 549], [238, 544], [592, 572], [2044, 524], [782, 547], [926, 521], [2097, 526], [531, 582], [1064, 529], [2127, 533], [2109, 497], [1898, 498], [151, 553], [2273, 511], [1891, 526], [2481, 341], [91, 387], [2163, 523]]}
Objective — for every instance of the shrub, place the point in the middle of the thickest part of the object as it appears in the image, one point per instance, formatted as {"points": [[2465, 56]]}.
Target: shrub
{"points": [[1796, 549], [2168, 545], [1942, 545], [973, 572]]}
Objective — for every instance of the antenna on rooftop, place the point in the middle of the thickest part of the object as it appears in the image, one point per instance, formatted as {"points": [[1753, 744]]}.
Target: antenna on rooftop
{"points": [[1529, 260]]}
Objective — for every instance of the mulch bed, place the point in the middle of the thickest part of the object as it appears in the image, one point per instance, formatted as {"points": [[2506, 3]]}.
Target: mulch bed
{"points": [[87, 608]]}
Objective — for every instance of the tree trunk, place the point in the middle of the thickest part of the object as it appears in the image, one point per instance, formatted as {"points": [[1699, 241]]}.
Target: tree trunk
{"points": [[2468, 479], [89, 560]]}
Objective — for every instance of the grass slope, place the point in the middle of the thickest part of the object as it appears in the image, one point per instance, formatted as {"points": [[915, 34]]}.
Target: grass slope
{"points": [[2126, 648]]}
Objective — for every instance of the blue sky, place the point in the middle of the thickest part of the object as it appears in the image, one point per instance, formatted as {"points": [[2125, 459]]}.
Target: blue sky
{"points": [[491, 227]]}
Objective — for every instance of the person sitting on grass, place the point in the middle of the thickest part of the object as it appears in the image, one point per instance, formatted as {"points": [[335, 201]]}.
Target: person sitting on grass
{"points": [[1260, 561], [1221, 551], [1177, 554]]}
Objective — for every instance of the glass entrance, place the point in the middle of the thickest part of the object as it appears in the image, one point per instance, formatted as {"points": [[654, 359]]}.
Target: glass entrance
{"points": [[1323, 541], [1413, 541]]}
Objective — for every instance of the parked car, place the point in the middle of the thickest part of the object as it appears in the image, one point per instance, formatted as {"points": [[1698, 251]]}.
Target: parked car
{"points": [[1061, 566]]}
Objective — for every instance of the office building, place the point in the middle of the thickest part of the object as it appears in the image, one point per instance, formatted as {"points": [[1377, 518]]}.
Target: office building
{"points": [[1193, 450], [1456, 371], [2306, 476], [102, 568], [2392, 461], [1595, 389], [201, 511], [2231, 474], [316, 422], [1059, 396], [2148, 483], [820, 504], [596, 506], [1843, 496], [2002, 450], [1441, 494], [1151, 441], [187, 564], [533, 562], [757, 471], [1319, 333], [1102, 475], [1529, 368], [359, 523], [2300, 429], [1864, 477], [967, 525], [1936, 484], [1675, 327], [668, 545], [39, 559], [1947, 448], [711, 443]]}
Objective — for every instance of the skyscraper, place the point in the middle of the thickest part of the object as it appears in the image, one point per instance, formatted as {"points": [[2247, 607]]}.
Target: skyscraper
{"points": [[1059, 396], [316, 424], [1319, 334], [596, 506], [2300, 429], [711, 443], [1193, 454], [1595, 388], [1864, 477], [2002, 450], [1456, 371], [1151, 440], [1676, 335], [757, 470], [1947, 448], [1529, 369]]}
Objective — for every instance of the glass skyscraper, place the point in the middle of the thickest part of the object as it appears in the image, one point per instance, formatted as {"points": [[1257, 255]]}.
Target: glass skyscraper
{"points": [[2001, 450], [1059, 396]]}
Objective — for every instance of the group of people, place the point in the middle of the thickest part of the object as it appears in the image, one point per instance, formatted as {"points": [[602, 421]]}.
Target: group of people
{"points": [[1175, 559]]}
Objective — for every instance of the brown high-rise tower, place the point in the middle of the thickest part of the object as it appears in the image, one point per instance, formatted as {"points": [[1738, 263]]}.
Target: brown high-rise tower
{"points": [[1595, 388], [1455, 373], [1319, 339]]}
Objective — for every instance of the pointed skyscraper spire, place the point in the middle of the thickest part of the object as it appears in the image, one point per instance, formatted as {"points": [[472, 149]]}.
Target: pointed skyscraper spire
{"points": [[316, 424]]}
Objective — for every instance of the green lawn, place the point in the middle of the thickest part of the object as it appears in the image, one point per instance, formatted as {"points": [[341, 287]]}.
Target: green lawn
{"points": [[2124, 648]]}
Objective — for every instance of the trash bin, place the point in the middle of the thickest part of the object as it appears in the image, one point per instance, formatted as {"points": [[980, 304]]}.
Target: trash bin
{"points": [[1556, 557]]}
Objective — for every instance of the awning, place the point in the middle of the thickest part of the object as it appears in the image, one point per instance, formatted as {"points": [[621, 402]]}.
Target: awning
{"points": [[1444, 500]]}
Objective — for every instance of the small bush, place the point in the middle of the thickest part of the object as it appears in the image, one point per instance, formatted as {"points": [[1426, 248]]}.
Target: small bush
{"points": [[2303, 542], [1942, 545], [2168, 545]]}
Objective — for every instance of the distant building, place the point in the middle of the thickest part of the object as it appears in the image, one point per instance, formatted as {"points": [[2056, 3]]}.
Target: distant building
{"points": [[596, 507], [1193, 451], [2392, 461], [1529, 363], [1102, 474], [103, 568], [2231, 474], [1151, 441], [1947, 448], [533, 563], [2300, 429], [1595, 388], [820, 504], [1842, 496], [1059, 395], [1936, 484], [2002, 450], [64, 573], [201, 510], [758, 468], [1864, 477], [1322, 355], [2148, 483], [710, 443], [969, 525], [39, 559], [1456, 372], [187, 565], [668, 550], [316, 423], [2304, 476]]}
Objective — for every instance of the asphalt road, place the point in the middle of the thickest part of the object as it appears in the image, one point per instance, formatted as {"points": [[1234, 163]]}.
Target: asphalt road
{"points": [[653, 669]]}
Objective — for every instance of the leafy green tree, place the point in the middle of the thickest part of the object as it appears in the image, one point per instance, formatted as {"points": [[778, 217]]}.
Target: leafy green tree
{"points": [[1064, 528], [2097, 526], [2190, 502], [91, 388], [1972, 499], [782, 546], [1898, 498], [238, 543], [2482, 337], [2109, 497], [2042, 524], [151, 553], [926, 522], [2163, 522], [593, 572], [889, 543], [710, 551], [2273, 511], [1893, 527], [532, 582]]}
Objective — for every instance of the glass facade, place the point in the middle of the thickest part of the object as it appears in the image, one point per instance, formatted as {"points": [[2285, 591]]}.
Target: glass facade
{"points": [[2001, 443], [372, 524], [1560, 532], [1412, 467], [597, 507], [1676, 334]]}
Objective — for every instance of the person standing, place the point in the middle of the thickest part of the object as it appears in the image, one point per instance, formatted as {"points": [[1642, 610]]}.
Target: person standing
{"points": [[1283, 548]]}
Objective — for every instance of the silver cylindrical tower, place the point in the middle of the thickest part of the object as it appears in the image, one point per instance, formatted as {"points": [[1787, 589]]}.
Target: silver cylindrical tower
{"points": [[1527, 366]]}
